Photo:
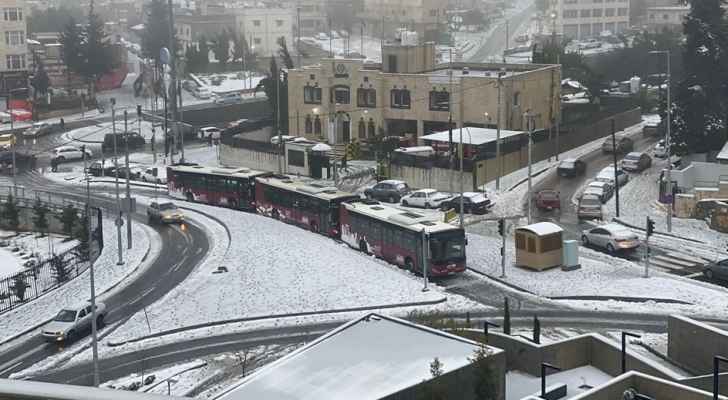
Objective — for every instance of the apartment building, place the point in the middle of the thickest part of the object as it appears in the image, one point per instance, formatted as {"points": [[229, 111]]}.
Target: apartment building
{"points": [[311, 14], [409, 95], [584, 19], [14, 62], [426, 17], [668, 18], [263, 26]]}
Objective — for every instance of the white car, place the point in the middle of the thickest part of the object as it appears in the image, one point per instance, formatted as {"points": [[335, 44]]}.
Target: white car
{"points": [[228, 98], [210, 131], [202, 93], [165, 212], [68, 153], [600, 188], [155, 175], [285, 138], [607, 175], [38, 129], [70, 323], [611, 237], [426, 198], [4, 117], [660, 149]]}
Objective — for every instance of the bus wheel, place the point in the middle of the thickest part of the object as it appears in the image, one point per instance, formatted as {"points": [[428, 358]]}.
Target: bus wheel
{"points": [[190, 197], [363, 247], [409, 264], [275, 214], [314, 227], [233, 203]]}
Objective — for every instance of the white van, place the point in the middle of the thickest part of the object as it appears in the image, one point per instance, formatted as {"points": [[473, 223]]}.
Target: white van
{"points": [[416, 150]]}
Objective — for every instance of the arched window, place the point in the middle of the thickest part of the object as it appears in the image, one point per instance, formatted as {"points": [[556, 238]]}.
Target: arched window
{"points": [[366, 97], [317, 126], [372, 128], [308, 125], [340, 94], [399, 98], [362, 129]]}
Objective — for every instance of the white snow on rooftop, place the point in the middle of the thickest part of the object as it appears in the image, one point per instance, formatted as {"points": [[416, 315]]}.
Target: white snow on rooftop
{"points": [[543, 228], [471, 135], [368, 358], [723, 155]]}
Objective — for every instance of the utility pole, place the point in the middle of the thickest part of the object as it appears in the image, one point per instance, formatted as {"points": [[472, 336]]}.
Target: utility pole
{"points": [[449, 127], [649, 229], [119, 221], [502, 229], [424, 259], [173, 68], [461, 154], [614, 159], [298, 42], [668, 143], [128, 190], [529, 117], [331, 41], [94, 327], [361, 37], [498, 161], [278, 119]]}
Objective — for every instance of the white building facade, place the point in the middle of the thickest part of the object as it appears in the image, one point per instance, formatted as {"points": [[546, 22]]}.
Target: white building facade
{"points": [[263, 26], [584, 19], [14, 62]]}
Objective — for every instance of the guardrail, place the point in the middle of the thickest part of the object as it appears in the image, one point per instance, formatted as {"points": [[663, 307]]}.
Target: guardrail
{"points": [[31, 390]]}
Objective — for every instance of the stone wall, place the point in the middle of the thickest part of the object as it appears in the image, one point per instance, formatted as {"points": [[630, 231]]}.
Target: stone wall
{"points": [[693, 344]]}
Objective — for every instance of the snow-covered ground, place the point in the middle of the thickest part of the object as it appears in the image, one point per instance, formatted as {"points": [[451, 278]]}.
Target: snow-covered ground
{"points": [[229, 81], [372, 46], [97, 132], [17, 250], [107, 276]]}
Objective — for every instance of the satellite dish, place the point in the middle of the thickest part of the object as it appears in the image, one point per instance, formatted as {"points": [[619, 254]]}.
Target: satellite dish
{"points": [[164, 55]]}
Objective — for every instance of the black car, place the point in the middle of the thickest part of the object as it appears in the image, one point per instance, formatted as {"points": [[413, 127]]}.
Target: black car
{"points": [[136, 141], [717, 270], [571, 167], [473, 203], [97, 168], [124, 171], [389, 190]]}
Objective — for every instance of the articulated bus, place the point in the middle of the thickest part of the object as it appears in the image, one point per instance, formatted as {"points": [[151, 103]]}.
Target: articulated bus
{"points": [[307, 204], [398, 237], [227, 187]]}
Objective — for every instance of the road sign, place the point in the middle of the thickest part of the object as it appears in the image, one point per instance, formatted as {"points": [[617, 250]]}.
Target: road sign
{"points": [[164, 55], [128, 204]]}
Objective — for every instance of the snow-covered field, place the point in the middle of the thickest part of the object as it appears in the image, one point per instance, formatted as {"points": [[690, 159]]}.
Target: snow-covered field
{"points": [[29, 247], [228, 82], [372, 46], [97, 132]]}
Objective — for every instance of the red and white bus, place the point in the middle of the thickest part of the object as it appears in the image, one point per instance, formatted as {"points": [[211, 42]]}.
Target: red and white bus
{"points": [[227, 187], [311, 205], [398, 236]]}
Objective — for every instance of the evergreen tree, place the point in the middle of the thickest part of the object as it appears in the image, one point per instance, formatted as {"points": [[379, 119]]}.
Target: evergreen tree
{"points": [[96, 50], [19, 286], [68, 218], [484, 382], [506, 317], [59, 268], [536, 330], [699, 122], [156, 30], [203, 53], [284, 54], [40, 81], [11, 214], [71, 39], [40, 219], [221, 48], [273, 84], [81, 234]]}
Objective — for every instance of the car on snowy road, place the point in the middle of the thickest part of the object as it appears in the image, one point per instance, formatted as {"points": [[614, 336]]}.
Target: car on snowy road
{"points": [[571, 167], [604, 190], [155, 175], [590, 207], [636, 162], [473, 203], [548, 200], [164, 212], [390, 190], [623, 144], [98, 168], [426, 198], [611, 237], [717, 270], [38, 129], [660, 149], [69, 153], [70, 323], [607, 175]]}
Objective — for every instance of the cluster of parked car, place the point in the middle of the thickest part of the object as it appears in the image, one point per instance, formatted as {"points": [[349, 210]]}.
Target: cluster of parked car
{"points": [[395, 191], [106, 168]]}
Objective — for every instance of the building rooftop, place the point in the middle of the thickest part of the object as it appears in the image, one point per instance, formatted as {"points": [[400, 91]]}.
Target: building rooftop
{"points": [[368, 358], [471, 135], [578, 380]]}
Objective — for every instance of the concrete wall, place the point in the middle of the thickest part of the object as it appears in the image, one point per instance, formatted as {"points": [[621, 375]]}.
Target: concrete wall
{"points": [[458, 384], [700, 174], [236, 157], [693, 344], [213, 115], [647, 385]]}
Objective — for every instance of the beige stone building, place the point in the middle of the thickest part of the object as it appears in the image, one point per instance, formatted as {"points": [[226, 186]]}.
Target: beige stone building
{"points": [[14, 62], [583, 19], [421, 16], [408, 95], [669, 18]]}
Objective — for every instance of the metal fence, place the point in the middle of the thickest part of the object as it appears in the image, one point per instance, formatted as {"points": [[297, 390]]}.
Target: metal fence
{"points": [[40, 277]]}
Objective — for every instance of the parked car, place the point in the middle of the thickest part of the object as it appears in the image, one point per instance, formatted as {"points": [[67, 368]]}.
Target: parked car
{"points": [[427, 198], [624, 144], [155, 175], [68, 153], [717, 270], [571, 167], [97, 168], [473, 203], [209, 131], [38, 129], [389, 190], [70, 323], [607, 175], [4, 117], [636, 161], [136, 141], [202, 93], [322, 36], [229, 98], [236, 123], [611, 237], [164, 212], [285, 138], [7, 141], [590, 207], [603, 189], [660, 149], [124, 172], [548, 200]]}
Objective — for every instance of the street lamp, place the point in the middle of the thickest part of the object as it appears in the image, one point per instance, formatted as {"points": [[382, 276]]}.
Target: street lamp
{"points": [[544, 367], [668, 144], [462, 173], [170, 382], [624, 348], [487, 324], [716, 366]]}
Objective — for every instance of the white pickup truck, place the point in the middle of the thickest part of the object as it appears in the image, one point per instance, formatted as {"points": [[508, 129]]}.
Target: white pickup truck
{"points": [[70, 323]]}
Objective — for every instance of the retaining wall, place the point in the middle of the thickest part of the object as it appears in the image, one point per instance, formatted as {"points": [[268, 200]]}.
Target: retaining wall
{"points": [[693, 344]]}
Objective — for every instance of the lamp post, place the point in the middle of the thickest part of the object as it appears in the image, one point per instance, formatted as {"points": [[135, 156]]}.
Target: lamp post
{"points": [[94, 327], [529, 117], [119, 220], [499, 170], [170, 382], [716, 373], [668, 138], [487, 324], [544, 367], [624, 348], [614, 160], [461, 154]]}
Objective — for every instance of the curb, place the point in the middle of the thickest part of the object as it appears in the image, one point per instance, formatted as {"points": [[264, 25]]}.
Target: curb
{"points": [[622, 298], [502, 282], [131, 183], [276, 316], [619, 221], [524, 180], [216, 219]]}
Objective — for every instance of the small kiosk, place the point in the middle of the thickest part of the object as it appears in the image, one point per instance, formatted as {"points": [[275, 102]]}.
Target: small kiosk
{"points": [[539, 246]]}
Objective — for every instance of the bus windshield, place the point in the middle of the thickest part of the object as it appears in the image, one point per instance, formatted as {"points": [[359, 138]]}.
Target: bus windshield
{"points": [[444, 247]]}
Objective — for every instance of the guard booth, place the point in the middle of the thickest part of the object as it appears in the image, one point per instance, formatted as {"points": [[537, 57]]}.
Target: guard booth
{"points": [[539, 246]]}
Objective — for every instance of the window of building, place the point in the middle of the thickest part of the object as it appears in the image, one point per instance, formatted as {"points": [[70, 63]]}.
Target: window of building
{"points": [[296, 158], [391, 64], [341, 94], [665, 16], [308, 125], [257, 41], [362, 129], [571, 14], [585, 13], [608, 12], [256, 22], [317, 125], [399, 98], [312, 95], [622, 12], [597, 12], [433, 13], [13, 14], [279, 22], [516, 99], [15, 61], [15, 38], [372, 128], [366, 97], [439, 100]]}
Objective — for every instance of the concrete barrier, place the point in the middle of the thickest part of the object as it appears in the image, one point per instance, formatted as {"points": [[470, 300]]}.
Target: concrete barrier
{"points": [[693, 344]]}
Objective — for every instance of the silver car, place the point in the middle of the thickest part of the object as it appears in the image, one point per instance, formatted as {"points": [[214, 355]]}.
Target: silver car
{"points": [[611, 237], [636, 162], [70, 323], [590, 207]]}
